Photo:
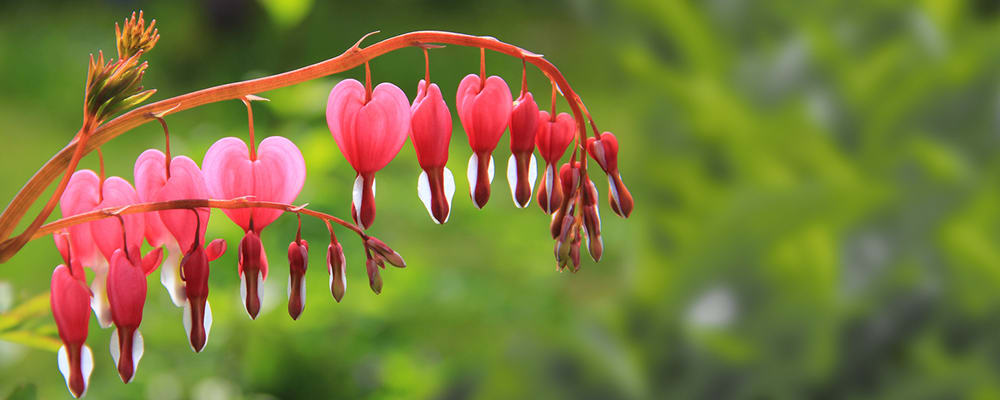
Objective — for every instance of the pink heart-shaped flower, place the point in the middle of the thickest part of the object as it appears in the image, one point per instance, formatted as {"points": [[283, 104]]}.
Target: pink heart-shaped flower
{"points": [[369, 132], [277, 174], [484, 109]]}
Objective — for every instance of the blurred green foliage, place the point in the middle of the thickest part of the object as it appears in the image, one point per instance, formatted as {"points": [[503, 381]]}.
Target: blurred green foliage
{"points": [[818, 208]]}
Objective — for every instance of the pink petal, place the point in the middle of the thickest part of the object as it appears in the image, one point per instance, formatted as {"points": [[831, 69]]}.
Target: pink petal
{"points": [[108, 232], [431, 126], [82, 194], [126, 291], [228, 174], [485, 114], [279, 173], [186, 182], [150, 176]]}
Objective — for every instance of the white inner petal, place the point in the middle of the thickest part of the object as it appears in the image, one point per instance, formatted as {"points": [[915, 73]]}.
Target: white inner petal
{"points": [[138, 347], [549, 178], [115, 351], [473, 171], [424, 193], [99, 301], [62, 357], [491, 168], [187, 322], [357, 195], [512, 179], [170, 275], [86, 366], [449, 190]]}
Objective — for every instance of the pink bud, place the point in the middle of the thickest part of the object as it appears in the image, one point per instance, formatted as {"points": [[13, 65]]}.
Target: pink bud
{"points": [[386, 253]]}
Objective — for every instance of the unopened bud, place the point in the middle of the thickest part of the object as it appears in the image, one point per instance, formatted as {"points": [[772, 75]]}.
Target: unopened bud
{"points": [[383, 252], [374, 279], [298, 259], [335, 266]]}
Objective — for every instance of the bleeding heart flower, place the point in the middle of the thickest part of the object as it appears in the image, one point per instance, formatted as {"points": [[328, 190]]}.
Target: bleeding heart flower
{"points": [[430, 133], [369, 130], [521, 167], [174, 229], [553, 137], [605, 152], [484, 109], [70, 302], [194, 272], [276, 174], [298, 261], [253, 272], [127, 296]]}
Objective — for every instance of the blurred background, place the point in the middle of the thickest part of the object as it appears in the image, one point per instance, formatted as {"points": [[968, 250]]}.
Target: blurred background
{"points": [[817, 204]]}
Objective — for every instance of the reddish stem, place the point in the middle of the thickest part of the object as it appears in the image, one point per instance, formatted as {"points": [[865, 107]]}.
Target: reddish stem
{"points": [[166, 136], [524, 77], [482, 68], [186, 204], [253, 142], [368, 83], [427, 68], [89, 137], [100, 183]]}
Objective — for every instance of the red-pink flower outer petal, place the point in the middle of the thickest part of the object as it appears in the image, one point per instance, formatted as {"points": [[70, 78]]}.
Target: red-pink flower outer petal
{"points": [[150, 176], [523, 124], [431, 126], [70, 302], [276, 175], [553, 137], [368, 134], [126, 291], [107, 232], [82, 194], [485, 114]]}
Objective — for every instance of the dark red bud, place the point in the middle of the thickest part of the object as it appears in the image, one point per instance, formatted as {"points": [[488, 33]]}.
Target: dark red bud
{"points": [[374, 279], [386, 253], [336, 267], [298, 260]]}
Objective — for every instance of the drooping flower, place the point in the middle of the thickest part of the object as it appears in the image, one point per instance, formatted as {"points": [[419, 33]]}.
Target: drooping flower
{"points": [[431, 133], [370, 128], [522, 169], [70, 302], [605, 152], [92, 244], [276, 172], [298, 262], [194, 272], [484, 107], [173, 229], [126, 297], [553, 137]]}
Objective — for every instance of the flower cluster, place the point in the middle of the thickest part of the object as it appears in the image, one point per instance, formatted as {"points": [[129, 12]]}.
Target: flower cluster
{"points": [[369, 125]]}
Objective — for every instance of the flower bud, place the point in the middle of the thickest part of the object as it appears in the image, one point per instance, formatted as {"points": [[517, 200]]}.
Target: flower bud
{"points": [[605, 152], [252, 271], [335, 265], [381, 250], [374, 279], [298, 259]]}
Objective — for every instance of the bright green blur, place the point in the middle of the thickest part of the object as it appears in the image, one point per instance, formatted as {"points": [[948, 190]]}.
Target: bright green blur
{"points": [[817, 205]]}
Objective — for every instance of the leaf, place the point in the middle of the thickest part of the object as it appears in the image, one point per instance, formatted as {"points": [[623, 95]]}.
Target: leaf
{"points": [[32, 339], [35, 307]]}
